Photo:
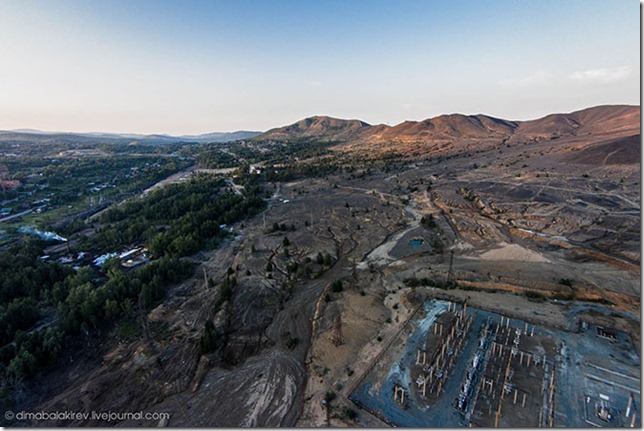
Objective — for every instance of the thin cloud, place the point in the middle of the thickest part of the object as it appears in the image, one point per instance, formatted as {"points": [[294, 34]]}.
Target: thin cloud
{"points": [[316, 84], [539, 77], [604, 75]]}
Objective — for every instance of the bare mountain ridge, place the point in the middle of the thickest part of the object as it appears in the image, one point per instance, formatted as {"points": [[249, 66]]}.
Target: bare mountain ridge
{"points": [[597, 120], [449, 127], [602, 122], [319, 127]]}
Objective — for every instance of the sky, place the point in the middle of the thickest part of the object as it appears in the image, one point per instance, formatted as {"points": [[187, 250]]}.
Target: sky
{"points": [[189, 67]]}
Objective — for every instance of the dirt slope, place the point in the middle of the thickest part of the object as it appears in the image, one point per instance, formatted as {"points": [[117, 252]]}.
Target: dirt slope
{"points": [[620, 151]]}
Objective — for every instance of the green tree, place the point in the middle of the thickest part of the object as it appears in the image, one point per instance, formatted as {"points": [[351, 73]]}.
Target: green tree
{"points": [[23, 365], [209, 339], [337, 286]]}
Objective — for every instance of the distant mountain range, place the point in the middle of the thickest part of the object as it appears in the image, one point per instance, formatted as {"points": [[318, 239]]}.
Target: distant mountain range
{"points": [[30, 135]]}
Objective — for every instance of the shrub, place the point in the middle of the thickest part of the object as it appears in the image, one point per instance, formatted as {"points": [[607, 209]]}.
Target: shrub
{"points": [[209, 339], [337, 286], [428, 221], [411, 282], [291, 342], [350, 413], [535, 296]]}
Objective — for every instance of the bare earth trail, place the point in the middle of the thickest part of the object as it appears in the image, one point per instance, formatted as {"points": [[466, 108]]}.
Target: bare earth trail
{"points": [[186, 175]]}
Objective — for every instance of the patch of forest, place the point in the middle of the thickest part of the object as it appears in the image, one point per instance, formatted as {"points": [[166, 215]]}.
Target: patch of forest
{"points": [[179, 219], [46, 306]]}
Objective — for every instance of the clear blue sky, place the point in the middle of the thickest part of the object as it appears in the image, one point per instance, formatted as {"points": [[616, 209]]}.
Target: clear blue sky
{"points": [[198, 66]]}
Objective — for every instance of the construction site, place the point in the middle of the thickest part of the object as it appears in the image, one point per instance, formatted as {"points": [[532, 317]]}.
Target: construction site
{"points": [[454, 365]]}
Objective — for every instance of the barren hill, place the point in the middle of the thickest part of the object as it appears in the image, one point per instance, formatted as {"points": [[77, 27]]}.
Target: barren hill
{"points": [[609, 119], [450, 127], [319, 127], [454, 133]]}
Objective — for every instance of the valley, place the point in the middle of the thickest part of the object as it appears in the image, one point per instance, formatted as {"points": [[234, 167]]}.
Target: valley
{"points": [[315, 253]]}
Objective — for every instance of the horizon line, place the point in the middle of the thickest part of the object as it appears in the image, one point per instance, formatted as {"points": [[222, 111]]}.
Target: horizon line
{"points": [[27, 130]]}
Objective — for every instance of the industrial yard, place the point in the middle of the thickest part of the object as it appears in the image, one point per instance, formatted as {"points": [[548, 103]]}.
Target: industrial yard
{"points": [[454, 365]]}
